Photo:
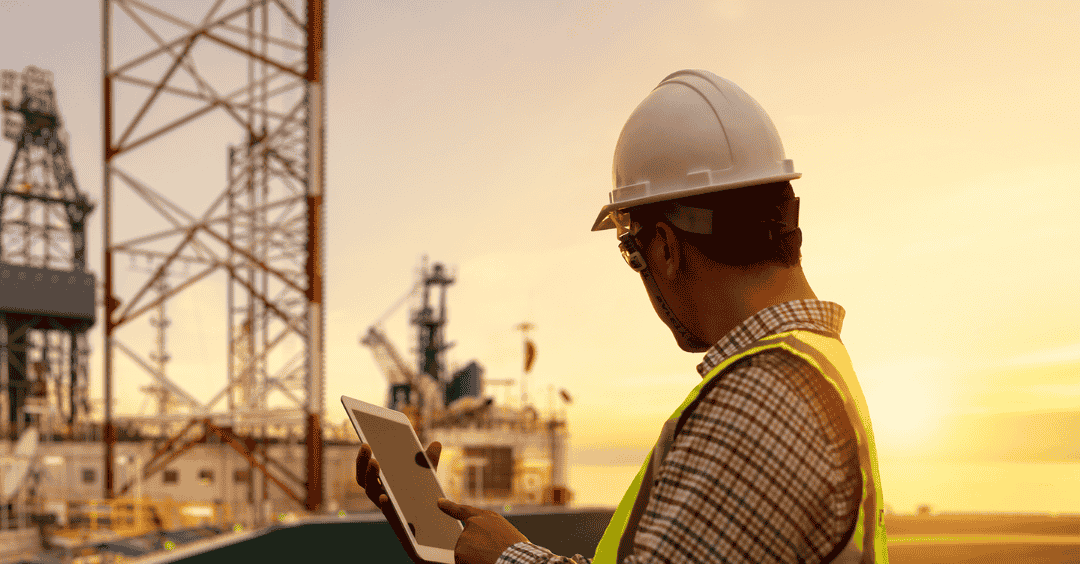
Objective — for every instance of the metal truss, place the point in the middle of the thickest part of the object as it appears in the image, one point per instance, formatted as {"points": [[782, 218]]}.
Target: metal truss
{"points": [[44, 212], [247, 447], [169, 68], [46, 295]]}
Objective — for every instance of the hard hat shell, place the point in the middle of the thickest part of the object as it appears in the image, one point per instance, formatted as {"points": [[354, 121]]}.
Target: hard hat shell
{"points": [[694, 133]]}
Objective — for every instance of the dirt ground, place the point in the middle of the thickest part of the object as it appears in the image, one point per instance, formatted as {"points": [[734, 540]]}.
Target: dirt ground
{"points": [[978, 538]]}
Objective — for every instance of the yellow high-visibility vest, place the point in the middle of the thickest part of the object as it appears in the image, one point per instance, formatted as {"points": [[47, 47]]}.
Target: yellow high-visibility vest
{"points": [[866, 542]]}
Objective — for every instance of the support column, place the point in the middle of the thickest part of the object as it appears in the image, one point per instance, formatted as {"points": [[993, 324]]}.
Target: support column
{"points": [[108, 433], [314, 267]]}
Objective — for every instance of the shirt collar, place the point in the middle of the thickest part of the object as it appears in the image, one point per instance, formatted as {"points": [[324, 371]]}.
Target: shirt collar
{"points": [[798, 314]]}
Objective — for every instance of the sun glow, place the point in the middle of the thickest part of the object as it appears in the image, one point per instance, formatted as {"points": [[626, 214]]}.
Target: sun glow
{"points": [[907, 402]]}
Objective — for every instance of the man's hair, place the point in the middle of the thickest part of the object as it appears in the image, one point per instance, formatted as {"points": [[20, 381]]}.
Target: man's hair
{"points": [[747, 225]]}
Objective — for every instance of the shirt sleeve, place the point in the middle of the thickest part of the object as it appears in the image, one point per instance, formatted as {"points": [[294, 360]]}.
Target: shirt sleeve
{"points": [[528, 553], [765, 469]]}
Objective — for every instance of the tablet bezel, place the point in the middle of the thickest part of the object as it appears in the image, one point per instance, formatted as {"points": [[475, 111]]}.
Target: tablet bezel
{"points": [[427, 553]]}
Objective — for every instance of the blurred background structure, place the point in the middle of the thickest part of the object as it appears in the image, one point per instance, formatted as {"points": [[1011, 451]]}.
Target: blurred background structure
{"points": [[256, 447], [46, 292], [495, 454], [262, 229]]}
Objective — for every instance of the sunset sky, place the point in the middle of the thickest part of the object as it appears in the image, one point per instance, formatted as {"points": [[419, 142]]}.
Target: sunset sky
{"points": [[938, 143]]}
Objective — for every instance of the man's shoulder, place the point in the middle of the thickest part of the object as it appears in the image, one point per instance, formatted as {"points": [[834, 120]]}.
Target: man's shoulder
{"points": [[778, 382], [772, 370]]}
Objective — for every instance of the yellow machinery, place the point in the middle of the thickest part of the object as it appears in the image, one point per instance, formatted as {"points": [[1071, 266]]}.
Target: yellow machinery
{"points": [[100, 519]]}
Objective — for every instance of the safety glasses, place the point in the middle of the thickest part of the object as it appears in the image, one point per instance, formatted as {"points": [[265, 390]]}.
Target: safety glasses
{"points": [[626, 230]]}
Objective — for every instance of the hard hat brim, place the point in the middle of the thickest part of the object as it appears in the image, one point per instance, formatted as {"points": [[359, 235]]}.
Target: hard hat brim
{"points": [[603, 221]]}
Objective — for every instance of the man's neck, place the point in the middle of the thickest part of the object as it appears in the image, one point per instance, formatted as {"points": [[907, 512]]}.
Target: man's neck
{"points": [[733, 295]]}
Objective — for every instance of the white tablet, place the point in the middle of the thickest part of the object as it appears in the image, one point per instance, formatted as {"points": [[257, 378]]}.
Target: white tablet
{"points": [[408, 478]]}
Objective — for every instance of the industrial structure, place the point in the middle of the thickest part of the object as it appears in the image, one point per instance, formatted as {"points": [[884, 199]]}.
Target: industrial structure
{"points": [[246, 80], [493, 454], [46, 292], [243, 80], [229, 95], [47, 295]]}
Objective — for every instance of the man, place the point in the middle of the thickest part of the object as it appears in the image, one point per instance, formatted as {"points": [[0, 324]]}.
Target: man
{"points": [[771, 457]]}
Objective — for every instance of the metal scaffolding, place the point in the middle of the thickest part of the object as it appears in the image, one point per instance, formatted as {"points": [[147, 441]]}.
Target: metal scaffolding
{"points": [[256, 67]]}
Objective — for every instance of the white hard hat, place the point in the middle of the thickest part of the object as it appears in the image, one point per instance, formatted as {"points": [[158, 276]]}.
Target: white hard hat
{"points": [[694, 133]]}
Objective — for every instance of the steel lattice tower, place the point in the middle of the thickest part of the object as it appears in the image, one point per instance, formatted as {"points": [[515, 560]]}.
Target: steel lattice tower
{"points": [[256, 66], [46, 294]]}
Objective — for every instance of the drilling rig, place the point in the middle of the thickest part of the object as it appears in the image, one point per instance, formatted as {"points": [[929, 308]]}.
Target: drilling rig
{"points": [[493, 454], [47, 296], [424, 393]]}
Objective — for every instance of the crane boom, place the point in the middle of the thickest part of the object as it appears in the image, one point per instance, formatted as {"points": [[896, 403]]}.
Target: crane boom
{"points": [[395, 369]]}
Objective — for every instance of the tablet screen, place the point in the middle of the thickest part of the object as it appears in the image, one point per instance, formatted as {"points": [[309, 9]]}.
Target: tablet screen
{"points": [[414, 486]]}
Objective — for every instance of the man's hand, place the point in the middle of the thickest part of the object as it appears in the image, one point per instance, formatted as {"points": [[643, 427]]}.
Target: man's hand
{"points": [[487, 534], [367, 476]]}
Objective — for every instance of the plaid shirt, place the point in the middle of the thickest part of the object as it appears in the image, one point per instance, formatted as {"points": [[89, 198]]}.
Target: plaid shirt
{"points": [[766, 467]]}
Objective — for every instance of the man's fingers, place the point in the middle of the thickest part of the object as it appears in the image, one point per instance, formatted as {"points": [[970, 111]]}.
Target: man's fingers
{"points": [[372, 484], [434, 451], [456, 510], [371, 478], [362, 459]]}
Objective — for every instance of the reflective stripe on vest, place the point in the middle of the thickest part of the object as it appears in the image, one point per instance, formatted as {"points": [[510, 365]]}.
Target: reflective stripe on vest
{"points": [[866, 541]]}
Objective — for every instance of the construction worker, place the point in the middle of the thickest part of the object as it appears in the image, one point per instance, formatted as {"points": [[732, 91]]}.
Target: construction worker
{"points": [[771, 457]]}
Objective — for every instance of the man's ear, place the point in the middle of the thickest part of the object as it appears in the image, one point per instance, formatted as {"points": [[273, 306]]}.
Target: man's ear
{"points": [[668, 250]]}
